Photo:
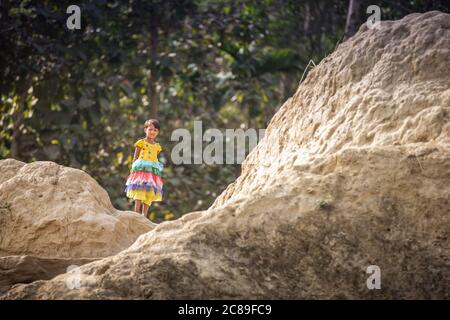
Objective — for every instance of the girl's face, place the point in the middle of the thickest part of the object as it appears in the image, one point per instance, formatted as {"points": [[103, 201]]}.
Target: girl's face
{"points": [[151, 131]]}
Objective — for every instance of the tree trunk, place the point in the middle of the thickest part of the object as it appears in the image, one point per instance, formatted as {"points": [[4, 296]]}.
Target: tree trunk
{"points": [[152, 94], [17, 117], [15, 137], [354, 18]]}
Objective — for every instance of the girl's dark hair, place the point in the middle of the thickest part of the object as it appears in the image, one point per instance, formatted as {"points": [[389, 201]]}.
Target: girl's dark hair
{"points": [[154, 122]]}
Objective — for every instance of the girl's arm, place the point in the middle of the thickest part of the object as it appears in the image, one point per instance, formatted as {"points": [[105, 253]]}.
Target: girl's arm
{"points": [[136, 153]]}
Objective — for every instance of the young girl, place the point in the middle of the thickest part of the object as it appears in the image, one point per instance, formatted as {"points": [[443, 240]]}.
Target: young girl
{"points": [[144, 184]]}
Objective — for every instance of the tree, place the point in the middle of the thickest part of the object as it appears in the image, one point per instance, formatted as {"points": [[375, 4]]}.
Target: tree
{"points": [[354, 17], [152, 18]]}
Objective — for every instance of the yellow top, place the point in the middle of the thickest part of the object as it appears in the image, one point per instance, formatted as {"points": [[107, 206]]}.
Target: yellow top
{"points": [[149, 151]]}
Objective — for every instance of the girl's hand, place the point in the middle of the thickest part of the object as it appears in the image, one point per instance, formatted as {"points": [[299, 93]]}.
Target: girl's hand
{"points": [[136, 153]]}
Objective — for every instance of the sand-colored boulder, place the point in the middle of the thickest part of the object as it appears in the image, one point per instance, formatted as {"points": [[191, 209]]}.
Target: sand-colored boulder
{"points": [[48, 210], [354, 171]]}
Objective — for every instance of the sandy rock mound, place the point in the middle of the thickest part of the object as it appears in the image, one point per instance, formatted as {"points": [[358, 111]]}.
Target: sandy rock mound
{"points": [[386, 87], [48, 210], [361, 177]]}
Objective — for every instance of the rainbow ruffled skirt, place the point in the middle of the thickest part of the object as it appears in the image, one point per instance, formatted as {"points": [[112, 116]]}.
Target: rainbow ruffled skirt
{"points": [[144, 182]]}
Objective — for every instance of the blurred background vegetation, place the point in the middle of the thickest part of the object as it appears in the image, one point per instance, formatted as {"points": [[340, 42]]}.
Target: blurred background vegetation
{"points": [[80, 97]]}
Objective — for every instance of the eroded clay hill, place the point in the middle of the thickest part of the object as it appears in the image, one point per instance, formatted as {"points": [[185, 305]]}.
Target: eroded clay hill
{"points": [[359, 167]]}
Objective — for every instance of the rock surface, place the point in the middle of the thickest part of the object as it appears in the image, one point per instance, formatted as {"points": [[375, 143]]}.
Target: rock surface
{"points": [[27, 269], [354, 171], [48, 210]]}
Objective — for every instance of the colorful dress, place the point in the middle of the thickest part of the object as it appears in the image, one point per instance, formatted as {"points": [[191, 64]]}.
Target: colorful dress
{"points": [[144, 182]]}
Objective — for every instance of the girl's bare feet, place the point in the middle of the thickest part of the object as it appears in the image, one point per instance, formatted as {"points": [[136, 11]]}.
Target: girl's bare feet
{"points": [[145, 210], [137, 206]]}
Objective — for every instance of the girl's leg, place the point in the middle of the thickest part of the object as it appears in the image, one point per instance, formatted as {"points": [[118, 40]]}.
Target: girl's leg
{"points": [[137, 206], [145, 209]]}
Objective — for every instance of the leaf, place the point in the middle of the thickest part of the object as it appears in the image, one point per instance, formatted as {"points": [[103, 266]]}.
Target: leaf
{"points": [[85, 103], [104, 104], [127, 88]]}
